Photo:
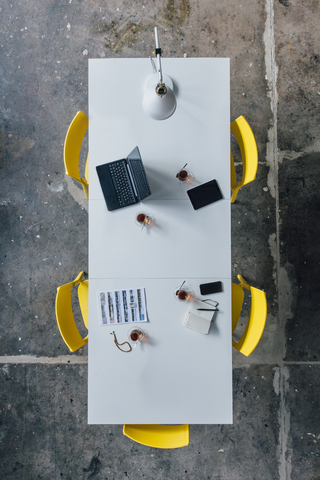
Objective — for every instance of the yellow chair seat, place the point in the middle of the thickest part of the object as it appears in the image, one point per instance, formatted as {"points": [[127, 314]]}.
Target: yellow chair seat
{"points": [[257, 318], [237, 301], [158, 436], [64, 314], [249, 155], [72, 148]]}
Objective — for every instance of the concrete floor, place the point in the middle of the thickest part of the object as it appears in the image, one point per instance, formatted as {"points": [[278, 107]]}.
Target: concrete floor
{"points": [[274, 51]]}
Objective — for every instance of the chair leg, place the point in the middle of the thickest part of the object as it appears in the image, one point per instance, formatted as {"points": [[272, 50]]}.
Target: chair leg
{"points": [[243, 283], [234, 193]]}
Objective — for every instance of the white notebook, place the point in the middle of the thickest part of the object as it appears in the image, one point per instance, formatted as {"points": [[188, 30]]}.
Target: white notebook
{"points": [[198, 320]]}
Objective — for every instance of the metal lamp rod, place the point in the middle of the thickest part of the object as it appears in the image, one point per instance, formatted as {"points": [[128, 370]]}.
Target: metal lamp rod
{"points": [[158, 55]]}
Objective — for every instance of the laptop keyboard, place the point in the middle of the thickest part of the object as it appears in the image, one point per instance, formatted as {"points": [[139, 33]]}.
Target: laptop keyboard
{"points": [[140, 178], [122, 183]]}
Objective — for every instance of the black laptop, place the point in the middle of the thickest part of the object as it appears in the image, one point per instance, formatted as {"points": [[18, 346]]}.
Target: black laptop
{"points": [[124, 182]]}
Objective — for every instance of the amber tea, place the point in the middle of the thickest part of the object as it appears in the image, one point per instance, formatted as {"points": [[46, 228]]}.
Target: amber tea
{"points": [[182, 175], [141, 218]]}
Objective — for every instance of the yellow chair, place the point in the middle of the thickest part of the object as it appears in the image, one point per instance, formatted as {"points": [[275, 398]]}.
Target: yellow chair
{"points": [[72, 147], [257, 318], [249, 154], [158, 436], [64, 315]]}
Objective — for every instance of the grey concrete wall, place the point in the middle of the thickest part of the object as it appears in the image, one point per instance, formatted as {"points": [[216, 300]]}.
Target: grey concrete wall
{"points": [[274, 50]]}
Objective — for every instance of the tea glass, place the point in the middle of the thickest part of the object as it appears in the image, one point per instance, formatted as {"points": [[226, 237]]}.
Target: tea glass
{"points": [[184, 177], [136, 335], [143, 219], [183, 294]]}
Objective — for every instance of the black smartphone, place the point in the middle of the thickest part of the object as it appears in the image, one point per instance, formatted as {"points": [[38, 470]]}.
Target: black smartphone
{"points": [[213, 287]]}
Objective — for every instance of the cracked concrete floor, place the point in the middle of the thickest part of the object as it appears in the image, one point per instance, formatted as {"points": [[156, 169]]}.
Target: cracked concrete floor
{"points": [[274, 50]]}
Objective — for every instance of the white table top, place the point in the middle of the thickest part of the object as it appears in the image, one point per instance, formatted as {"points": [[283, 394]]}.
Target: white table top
{"points": [[182, 241], [196, 133], [178, 375]]}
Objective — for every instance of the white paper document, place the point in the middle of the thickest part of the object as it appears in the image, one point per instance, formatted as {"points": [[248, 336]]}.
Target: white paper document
{"points": [[122, 306]]}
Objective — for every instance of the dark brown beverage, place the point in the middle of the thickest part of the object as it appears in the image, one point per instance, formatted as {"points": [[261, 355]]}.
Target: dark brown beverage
{"points": [[182, 175], [141, 218], [135, 335], [182, 294]]}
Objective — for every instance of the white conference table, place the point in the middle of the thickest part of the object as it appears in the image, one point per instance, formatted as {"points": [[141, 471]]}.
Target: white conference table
{"points": [[177, 375]]}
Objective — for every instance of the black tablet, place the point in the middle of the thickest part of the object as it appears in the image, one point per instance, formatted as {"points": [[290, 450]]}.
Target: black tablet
{"points": [[205, 194]]}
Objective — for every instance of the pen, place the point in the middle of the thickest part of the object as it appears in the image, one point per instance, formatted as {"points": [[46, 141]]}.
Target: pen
{"points": [[208, 309]]}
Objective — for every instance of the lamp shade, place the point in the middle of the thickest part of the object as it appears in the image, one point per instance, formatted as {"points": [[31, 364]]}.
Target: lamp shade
{"points": [[159, 107]]}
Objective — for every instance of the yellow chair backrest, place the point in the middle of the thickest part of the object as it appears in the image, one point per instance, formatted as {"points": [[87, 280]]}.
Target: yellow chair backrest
{"points": [[72, 147], [158, 436], [257, 318], [64, 314], [249, 155]]}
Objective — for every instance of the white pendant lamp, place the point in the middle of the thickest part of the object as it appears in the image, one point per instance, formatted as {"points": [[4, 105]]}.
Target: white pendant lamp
{"points": [[159, 101]]}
